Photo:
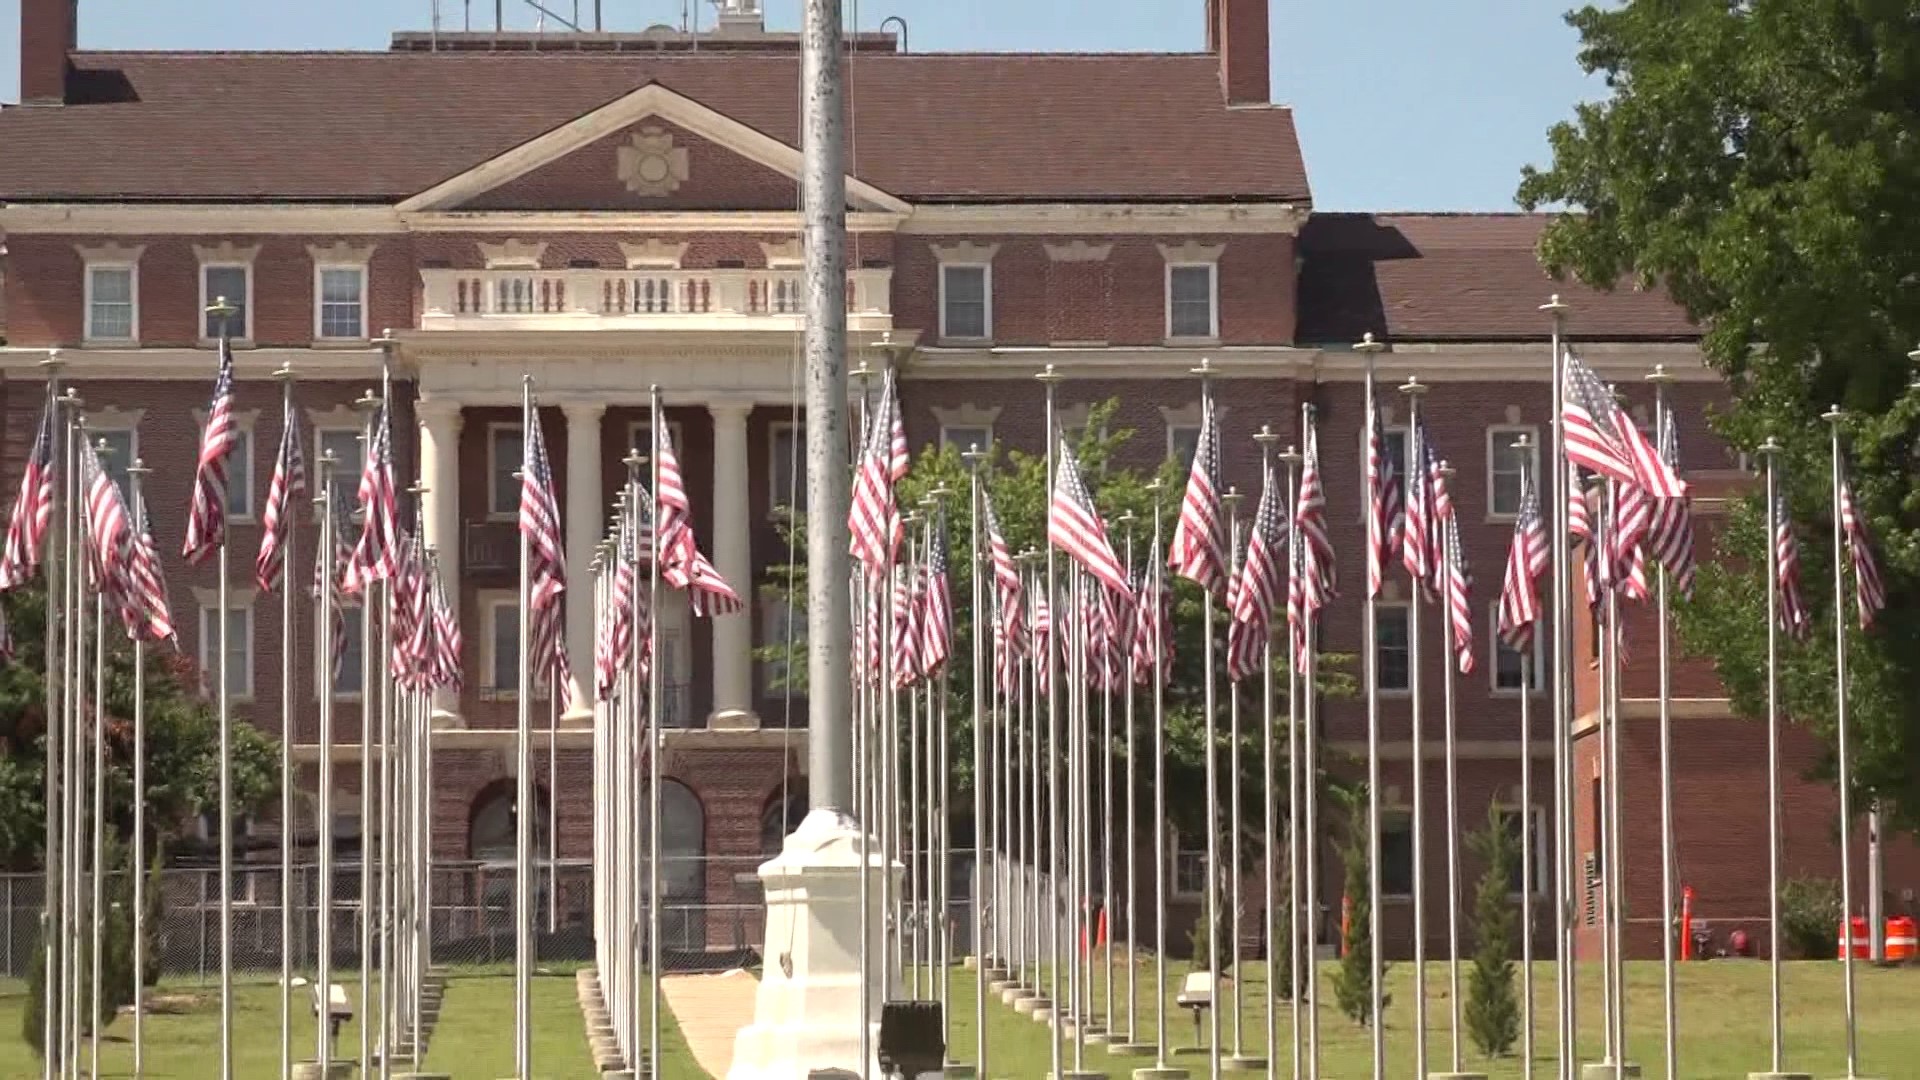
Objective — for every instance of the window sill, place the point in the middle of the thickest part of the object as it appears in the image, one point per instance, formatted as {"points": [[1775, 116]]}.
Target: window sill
{"points": [[1395, 695], [1209, 341], [1515, 693], [341, 342], [967, 342], [238, 343], [1500, 519], [109, 343]]}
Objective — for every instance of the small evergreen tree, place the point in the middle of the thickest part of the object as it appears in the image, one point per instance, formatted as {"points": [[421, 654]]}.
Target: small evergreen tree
{"points": [[1353, 984], [33, 1018], [1492, 1008], [150, 967], [1282, 936]]}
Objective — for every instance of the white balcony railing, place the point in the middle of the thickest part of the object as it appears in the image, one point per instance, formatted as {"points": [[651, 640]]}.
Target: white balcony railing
{"points": [[640, 299]]}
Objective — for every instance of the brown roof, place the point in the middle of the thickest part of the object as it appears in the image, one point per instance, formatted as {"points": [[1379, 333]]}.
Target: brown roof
{"points": [[1442, 277], [382, 126]]}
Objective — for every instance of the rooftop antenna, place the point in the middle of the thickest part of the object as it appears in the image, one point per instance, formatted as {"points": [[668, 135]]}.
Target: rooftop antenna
{"points": [[903, 29]]}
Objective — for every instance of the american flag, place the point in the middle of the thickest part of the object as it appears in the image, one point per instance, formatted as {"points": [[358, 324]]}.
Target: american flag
{"points": [[1385, 505], [681, 561], [874, 525], [1320, 580], [1153, 626], [108, 526], [376, 557], [1459, 581], [1670, 533], [276, 519], [408, 644], [1199, 551], [32, 509], [1006, 580], [1794, 618], [1260, 574], [207, 516], [1074, 526], [1042, 640], [616, 641], [1527, 559], [1601, 436], [546, 553], [1633, 512], [1297, 602], [1246, 640], [907, 588], [1870, 592], [145, 608], [447, 637], [1416, 533], [329, 572], [936, 613], [6, 637]]}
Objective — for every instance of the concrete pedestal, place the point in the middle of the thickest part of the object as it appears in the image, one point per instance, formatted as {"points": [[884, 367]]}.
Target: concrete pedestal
{"points": [[1016, 993], [1457, 1076], [1607, 1070], [1243, 1063], [1131, 1049], [1160, 1072], [806, 1012], [956, 1071], [1026, 1005], [311, 1070], [1101, 1037], [1072, 1074], [1779, 1076]]}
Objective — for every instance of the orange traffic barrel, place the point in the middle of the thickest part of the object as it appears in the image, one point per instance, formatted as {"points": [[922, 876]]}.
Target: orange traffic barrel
{"points": [[1902, 940], [1862, 939]]}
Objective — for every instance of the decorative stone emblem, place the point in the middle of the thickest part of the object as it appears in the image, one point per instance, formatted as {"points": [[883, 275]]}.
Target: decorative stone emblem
{"points": [[651, 164]]}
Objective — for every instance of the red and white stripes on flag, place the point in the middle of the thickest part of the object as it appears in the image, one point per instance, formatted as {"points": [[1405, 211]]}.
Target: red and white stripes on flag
{"points": [[1601, 436], [1320, 581], [936, 611], [207, 514], [1007, 585], [1793, 615], [875, 528], [546, 553], [1386, 509], [1199, 551], [1869, 590], [907, 590], [329, 571], [1042, 640], [1416, 533], [1257, 594], [1527, 558], [376, 556], [1153, 625], [32, 509], [447, 637], [1670, 533], [1632, 513], [1245, 640], [682, 563], [145, 609], [108, 527], [277, 517], [1458, 583], [1075, 527]]}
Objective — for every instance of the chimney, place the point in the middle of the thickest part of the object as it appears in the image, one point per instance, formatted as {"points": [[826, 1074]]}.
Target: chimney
{"points": [[1237, 30], [741, 16], [49, 30]]}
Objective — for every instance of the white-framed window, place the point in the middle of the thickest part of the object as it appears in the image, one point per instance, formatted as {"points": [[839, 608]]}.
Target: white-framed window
{"points": [[1396, 851], [1505, 669], [239, 649], [505, 451], [1193, 301], [113, 301], [786, 465], [778, 620], [240, 475], [964, 437], [640, 437], [1189, 866], [122, 446], [1537, 836], [340, 302], [1505, 463], [1183, 441], [348, 676], [1393, 659], [234, 281], [346, 445], [500, 648], [966, 301]]}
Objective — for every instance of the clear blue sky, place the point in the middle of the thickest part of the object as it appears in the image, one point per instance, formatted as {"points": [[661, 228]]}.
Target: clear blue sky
{"points": [[1402, 104]]}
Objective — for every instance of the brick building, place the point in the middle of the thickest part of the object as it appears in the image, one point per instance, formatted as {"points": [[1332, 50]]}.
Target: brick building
{"points": [[613, 211]]}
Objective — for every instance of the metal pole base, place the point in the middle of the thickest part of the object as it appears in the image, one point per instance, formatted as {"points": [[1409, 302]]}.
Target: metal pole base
{"points": [[1607, 1070], [311, 1070], [958, 1071], [1160, 1072], [1099, 1037], [1131, 1049], [1779, 1076], [1077, 1074], [1032, 1003], [1243, 1063], [1013, 992], [1469, 1076]]}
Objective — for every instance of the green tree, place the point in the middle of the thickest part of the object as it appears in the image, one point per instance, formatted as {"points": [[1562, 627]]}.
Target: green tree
{"points": [[1353, 980], [1757, 161], [1492, 1009]]}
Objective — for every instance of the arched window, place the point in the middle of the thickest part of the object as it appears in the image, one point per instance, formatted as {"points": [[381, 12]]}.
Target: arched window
{"points": [[781, 816], [493, 828], [683, 867]]}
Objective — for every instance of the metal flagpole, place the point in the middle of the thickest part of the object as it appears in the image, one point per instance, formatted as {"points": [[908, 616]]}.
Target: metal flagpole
{"points": [[1075, 626], [1447, 658], [553, 813], [1109, 1033], [138, 864], [1132, 1039], [861, 747], [1616, 849], [1238, 1060], [97, 819], [975, 458], [1156, 571], [389, 843], [1670, 1049], [1833, 417], [1210, 747], [1527, 868], [1770, 450], [1050, 379], [656, 743], [225, 312], [369, 406], [1371, 349], [523, 806], [70, 804], [1303, 970], [915, 894], [1603, 822], [1267, 439], [1565, 998], [1310, 779], [54, 559], [285, 375], [1415, 390], [323, 678]]}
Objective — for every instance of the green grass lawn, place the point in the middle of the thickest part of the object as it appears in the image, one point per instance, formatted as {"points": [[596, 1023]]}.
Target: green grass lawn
{"points": [[1723, 1023], [474, 1038]]}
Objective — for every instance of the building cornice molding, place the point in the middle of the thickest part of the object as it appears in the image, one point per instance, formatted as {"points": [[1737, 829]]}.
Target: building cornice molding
{"points": [[1104, 219], [113, 418], [1147, 362], [191, 365], [534, 222], [161, 219]]}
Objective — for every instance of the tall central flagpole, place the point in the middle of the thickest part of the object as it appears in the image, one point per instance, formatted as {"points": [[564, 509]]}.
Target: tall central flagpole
{"points": [[1528, 481], [975, 457], [1301, 961], [1267, 439], [285, 375], [1770, 451], [1415, 390], [70, 749], [1156, 576], [1448, 645], [1210, 747], [1044, 664], [523, 806], [1130, 1042], [323, 679], [56, 558], [225, 312], [368, 405], [138, 865], [1310, 775], [1565, 998], [1238, 1061], [655, 740], [97, 818], [1371, 348], [1670, 1044], [1833, 417]]}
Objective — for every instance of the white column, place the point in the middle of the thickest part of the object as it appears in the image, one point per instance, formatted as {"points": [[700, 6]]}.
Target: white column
{"points": [[733, 557], [440, 506], [586, 516]]}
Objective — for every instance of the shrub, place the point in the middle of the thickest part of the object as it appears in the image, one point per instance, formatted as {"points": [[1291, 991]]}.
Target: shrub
{"points": [[1353, 983], [1492, 1010], [1810, 918]]}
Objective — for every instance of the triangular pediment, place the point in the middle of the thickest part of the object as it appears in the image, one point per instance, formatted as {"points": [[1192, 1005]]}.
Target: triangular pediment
{"points": [[653, 148]]}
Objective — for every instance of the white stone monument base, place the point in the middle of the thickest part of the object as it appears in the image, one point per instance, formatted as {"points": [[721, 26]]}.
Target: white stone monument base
{"points": [[806, 1013]]}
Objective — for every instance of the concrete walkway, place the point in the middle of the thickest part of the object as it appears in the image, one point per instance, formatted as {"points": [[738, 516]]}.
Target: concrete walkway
{"points": [[711, 1010]]}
